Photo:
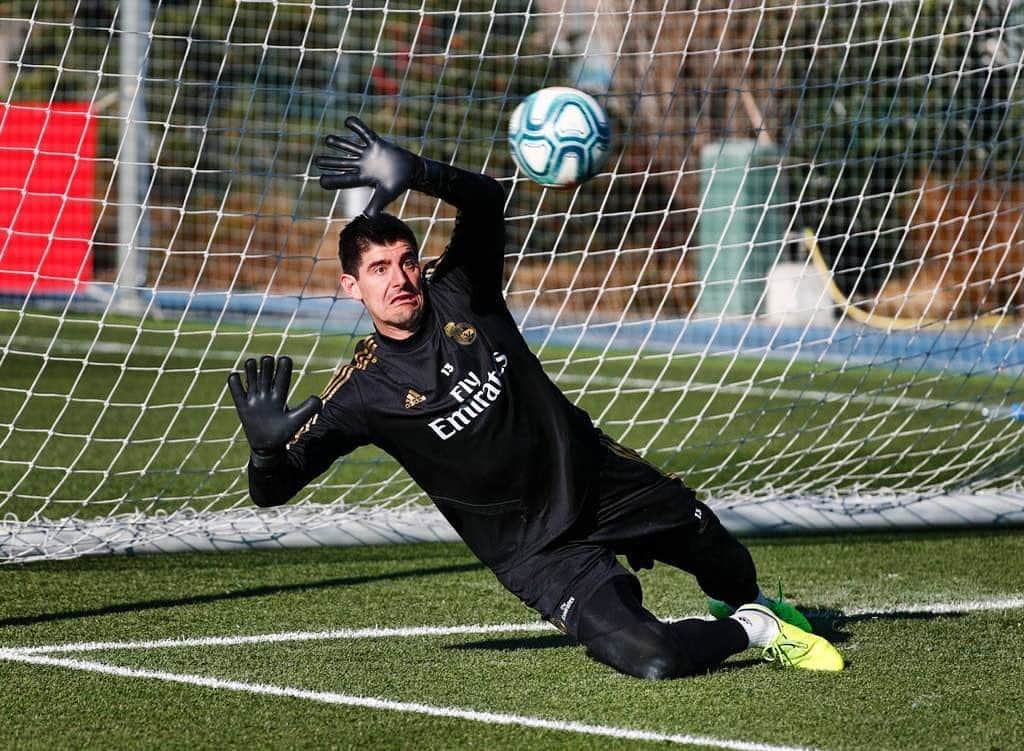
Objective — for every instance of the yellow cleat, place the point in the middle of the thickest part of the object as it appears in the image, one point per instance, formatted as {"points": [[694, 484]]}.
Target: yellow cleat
{"points": [[795, 648]]}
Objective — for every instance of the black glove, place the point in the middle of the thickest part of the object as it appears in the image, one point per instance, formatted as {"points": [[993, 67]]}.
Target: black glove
{"points": [[266, 419], [369, 161]]}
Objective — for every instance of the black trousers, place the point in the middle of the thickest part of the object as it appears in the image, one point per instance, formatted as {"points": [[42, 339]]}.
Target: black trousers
{"points": [[648, 517]]}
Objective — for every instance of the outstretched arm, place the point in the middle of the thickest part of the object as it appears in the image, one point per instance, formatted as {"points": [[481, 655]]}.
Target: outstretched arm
{"points": [[367, 160], [477, 244], [277, 470]]}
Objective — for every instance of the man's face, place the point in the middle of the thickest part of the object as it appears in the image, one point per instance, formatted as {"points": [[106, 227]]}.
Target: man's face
{"points": [[390, 287]]}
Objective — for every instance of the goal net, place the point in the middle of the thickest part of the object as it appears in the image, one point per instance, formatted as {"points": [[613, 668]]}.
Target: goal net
{"points": [[798, 283]]}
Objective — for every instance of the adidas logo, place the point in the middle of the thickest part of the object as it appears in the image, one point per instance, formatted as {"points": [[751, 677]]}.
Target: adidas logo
{"points": [[413, 398]]}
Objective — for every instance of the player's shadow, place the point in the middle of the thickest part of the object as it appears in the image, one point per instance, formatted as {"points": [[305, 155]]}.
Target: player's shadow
{"points": [[239, 594], [560, 641], [742, 664], [827, 622], [830, 622]]}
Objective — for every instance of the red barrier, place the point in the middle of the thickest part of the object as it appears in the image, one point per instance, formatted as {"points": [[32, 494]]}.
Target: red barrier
{"points": [[47, 185]]}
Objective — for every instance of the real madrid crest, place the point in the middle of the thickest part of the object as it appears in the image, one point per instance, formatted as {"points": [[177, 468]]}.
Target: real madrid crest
{"points": [[463, 333]]}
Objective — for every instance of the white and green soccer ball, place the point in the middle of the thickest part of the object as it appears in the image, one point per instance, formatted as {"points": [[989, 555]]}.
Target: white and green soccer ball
{"points": [[559, 136]]}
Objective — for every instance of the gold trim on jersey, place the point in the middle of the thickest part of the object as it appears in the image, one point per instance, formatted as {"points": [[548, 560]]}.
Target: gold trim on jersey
{"points": [[627, 453], [365, 355]]}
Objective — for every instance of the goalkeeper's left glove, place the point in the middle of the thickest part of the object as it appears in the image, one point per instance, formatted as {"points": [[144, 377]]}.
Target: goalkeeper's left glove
{"points": [[369, 161]]}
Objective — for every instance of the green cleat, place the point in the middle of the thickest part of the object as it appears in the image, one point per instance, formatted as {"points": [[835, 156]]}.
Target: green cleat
{"points": [[794, 648], [719, 609], [780, 607], [790, 615]]}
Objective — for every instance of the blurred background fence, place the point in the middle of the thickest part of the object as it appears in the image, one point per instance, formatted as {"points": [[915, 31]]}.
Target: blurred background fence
{"points": [[891, 129]]}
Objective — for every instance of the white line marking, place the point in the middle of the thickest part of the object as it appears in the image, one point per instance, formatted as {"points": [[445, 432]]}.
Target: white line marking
{"points": [[1014, 602], [37, 656], [328, 697], [345, 633]]}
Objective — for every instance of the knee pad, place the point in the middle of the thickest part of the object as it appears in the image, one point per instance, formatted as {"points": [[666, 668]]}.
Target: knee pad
{"points": [[618, 631], [642, 650]]}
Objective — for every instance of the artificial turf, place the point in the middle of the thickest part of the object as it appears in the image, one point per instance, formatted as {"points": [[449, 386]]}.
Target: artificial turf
{"points": [[915, 679]]}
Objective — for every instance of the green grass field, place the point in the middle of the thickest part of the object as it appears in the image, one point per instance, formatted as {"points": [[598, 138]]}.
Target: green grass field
{"points": [[104, 415], [923, 671]]}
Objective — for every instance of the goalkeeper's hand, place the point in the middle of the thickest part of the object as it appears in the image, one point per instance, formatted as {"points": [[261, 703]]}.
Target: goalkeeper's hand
{"points": [[263, 410], [368, 161]]}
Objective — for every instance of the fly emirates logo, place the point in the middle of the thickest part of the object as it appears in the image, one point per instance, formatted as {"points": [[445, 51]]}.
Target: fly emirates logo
{"points": [[474, 394]]}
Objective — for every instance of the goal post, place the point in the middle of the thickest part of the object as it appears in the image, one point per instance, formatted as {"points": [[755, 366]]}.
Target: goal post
{"points": [[798, 283]]}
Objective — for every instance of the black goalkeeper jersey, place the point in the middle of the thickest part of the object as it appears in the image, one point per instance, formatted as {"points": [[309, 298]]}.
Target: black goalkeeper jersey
{"points": [[463, 404]]}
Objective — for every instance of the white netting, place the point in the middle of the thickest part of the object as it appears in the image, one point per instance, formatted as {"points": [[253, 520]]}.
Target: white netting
{"points": [[798, 283]]}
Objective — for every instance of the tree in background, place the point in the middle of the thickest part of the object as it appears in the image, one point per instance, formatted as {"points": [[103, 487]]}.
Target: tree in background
{"points": [[890, 117]]}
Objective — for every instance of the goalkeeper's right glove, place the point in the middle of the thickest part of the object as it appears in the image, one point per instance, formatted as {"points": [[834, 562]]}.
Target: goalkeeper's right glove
{"points": [[263, 410], [369, 161]]}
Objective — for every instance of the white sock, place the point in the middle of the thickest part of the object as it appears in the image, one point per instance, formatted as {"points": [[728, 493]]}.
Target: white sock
{"points": [[761, 628]]}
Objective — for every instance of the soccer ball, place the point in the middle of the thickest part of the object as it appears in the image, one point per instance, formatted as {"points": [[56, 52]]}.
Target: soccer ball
{"points": [[559, 136]]}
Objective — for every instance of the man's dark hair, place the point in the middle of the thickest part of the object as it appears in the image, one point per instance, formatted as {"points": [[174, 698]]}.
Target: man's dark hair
{"points": [[362, 232]]}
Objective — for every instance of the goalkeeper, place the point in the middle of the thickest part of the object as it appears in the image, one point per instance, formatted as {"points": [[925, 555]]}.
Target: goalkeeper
{"points": [[447, 386]]}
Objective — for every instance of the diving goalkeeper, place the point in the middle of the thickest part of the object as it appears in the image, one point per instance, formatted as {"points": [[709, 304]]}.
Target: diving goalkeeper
{"points": [[447, 386]]}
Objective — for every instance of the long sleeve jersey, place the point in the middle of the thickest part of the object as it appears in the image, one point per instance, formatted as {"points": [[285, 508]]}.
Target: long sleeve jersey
{"points": [[463, 404]]}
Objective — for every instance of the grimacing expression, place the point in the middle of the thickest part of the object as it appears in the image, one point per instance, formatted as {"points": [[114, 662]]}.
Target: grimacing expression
{"points": [[390, 285]]}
